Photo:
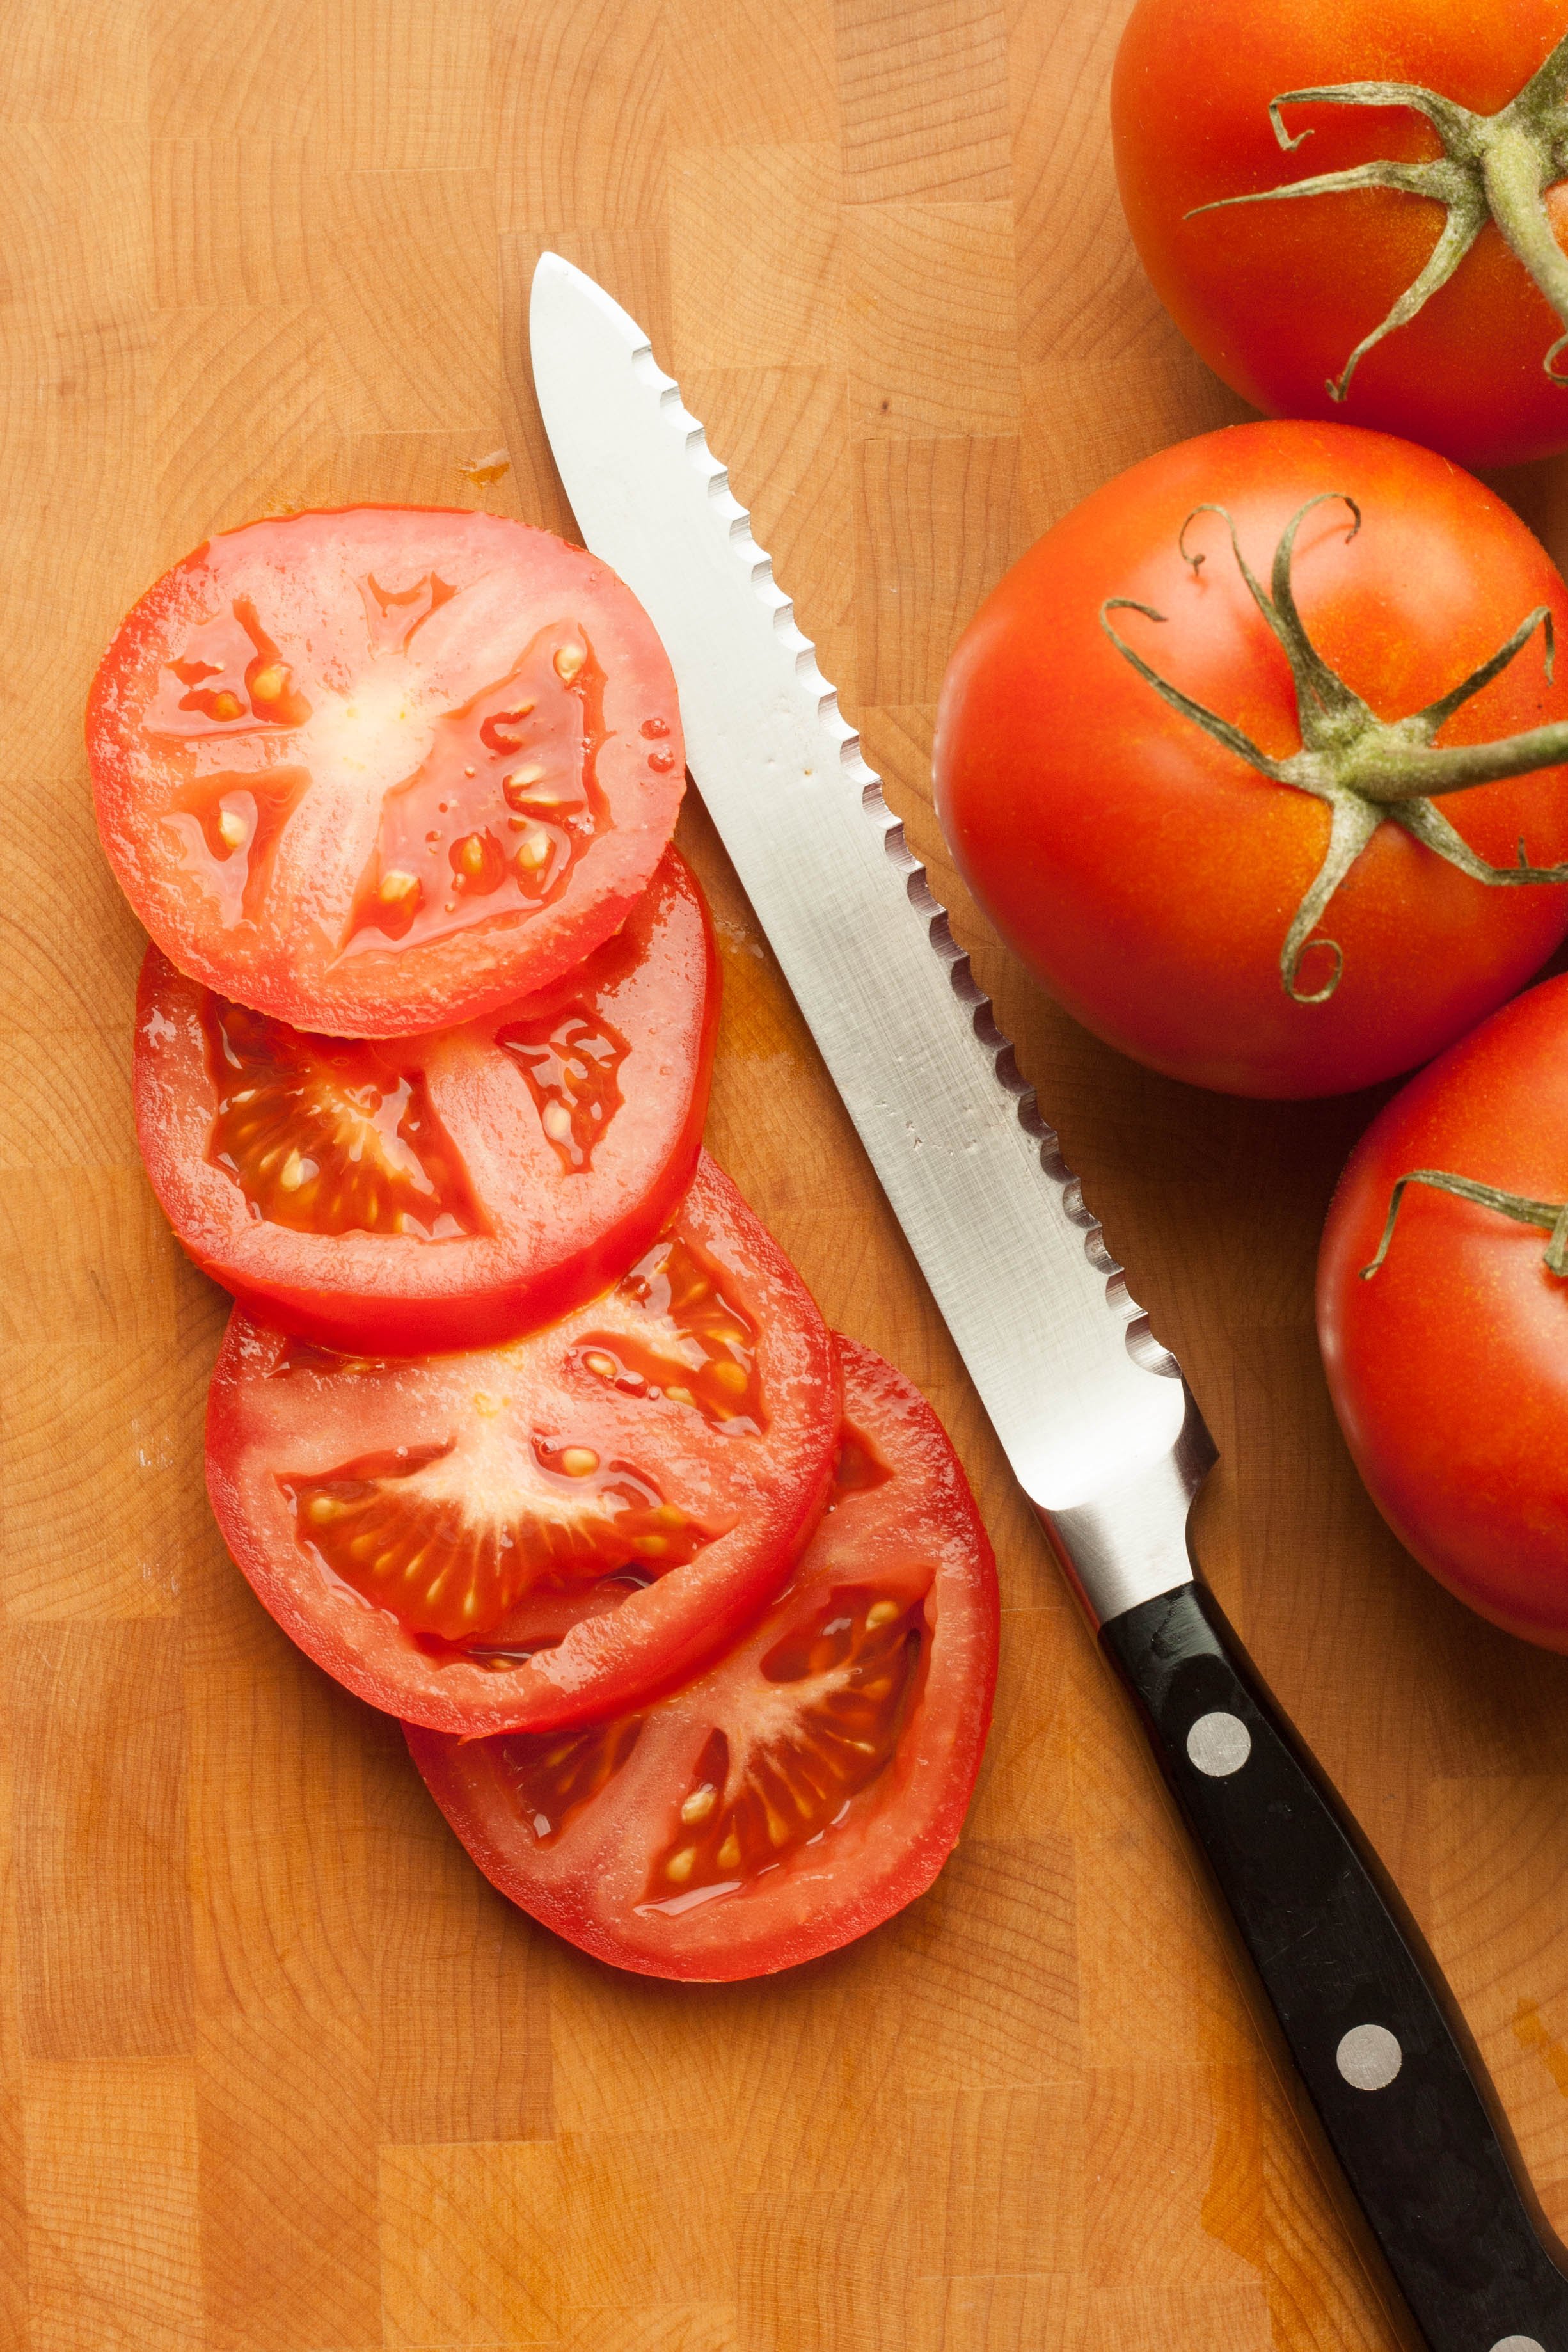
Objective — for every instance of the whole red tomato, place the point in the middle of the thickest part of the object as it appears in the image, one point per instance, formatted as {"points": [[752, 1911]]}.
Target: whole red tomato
{"points": [[1162, 888], [1283, 296], [1448, 1365]]}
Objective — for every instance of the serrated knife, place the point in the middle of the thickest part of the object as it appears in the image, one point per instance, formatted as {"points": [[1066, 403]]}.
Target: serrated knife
{"points": [[1092, 1413]]}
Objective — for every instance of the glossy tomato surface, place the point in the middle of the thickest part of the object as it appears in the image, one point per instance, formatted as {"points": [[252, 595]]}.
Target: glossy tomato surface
{"points": [[1448, 1367], [1277, 296], [525, 1535], [385, 769], [1146, 873], [447, 1190], [809, 1784]]}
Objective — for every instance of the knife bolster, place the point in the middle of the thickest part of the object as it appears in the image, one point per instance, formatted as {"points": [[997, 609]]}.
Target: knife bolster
{"points": [[1128, 1544]]}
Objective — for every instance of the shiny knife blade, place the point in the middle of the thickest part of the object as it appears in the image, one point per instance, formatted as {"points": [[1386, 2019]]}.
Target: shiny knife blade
{"points": [[1091, 1410], [1093, 1414]]}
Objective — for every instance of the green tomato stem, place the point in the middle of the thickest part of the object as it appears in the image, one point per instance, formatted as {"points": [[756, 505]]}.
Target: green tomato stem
{"points": [[1366, 768], [1493, 167], [1551, 1216]]}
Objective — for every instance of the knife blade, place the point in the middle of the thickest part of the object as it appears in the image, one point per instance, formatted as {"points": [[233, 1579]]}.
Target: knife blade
{"points": [[1093, 1415]]}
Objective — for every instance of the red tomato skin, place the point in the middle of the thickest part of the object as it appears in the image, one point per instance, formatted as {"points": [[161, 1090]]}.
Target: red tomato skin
{"points": [[404, 1296], [1147, 875], [1449, 1368], [288, 963], [888, 1852], [1275, 297], [659, 1636]]}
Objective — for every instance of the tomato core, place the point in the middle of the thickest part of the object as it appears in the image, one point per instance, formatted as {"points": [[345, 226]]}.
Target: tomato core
{"points": [[505, 801], [453, 1538], [843, 1686]]}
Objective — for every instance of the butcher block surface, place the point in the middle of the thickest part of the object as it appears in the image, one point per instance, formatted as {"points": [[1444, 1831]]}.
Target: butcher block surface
{"points": [[278, 2071]]}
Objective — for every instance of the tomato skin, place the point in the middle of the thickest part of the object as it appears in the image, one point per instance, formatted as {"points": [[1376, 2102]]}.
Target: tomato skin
{"points": [[897, 1832], [1275, 297], [553, 1239], [1147, 875], [1449, 1368], [276, 1418], [294, 953]]}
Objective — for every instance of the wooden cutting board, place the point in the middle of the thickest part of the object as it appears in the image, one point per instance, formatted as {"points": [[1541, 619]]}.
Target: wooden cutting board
{"points": [[278, 2071]]}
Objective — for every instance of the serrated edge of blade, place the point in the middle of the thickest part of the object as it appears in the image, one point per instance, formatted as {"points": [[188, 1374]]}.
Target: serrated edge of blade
{"points": [[1148, 1352]]}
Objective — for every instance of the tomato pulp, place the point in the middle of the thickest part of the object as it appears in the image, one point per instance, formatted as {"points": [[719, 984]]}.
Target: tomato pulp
{"points": [[527, 1534], [1448, 1367], [809, 1784], [385, 769], [442, 1190], [1144, 871], [1277, 296]]}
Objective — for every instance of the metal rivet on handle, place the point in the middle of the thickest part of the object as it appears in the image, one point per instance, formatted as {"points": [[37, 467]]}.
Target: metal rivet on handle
{"points": [[1369, 2057], [1219, 1744], [1517, 2343]]}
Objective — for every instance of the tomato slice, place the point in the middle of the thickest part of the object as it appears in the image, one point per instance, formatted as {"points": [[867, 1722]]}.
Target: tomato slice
{"points": [[443, 1190], [383, 769], [807, 1786], [524, 1535]]}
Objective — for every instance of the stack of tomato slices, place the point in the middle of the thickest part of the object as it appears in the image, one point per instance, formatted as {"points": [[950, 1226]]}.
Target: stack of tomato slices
{"points": [[523, 1428]]}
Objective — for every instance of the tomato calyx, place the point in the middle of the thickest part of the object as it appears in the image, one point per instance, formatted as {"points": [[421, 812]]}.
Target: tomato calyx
{"points": [[1493, 167], [1549, 1216], [1367, 769]]}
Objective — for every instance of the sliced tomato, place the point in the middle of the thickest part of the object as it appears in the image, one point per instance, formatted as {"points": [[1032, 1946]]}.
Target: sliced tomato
{"points": [[383, 769], [526, 1534], [443, 1190], [807, 1786]]}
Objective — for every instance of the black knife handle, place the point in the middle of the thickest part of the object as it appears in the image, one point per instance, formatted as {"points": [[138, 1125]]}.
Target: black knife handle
{"points": [[1361, 2001]]}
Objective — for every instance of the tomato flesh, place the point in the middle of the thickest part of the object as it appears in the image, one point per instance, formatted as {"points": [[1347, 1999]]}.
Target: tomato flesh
{"points": [[571, 1063], [805, 1786], [443, 1190], [705, 1355], [381, 770], [505, 1538], [844, 1682], [327, 1136]]}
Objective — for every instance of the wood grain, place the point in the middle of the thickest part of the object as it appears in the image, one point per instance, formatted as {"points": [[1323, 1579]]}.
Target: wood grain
{"points": [[278, 2071]]}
